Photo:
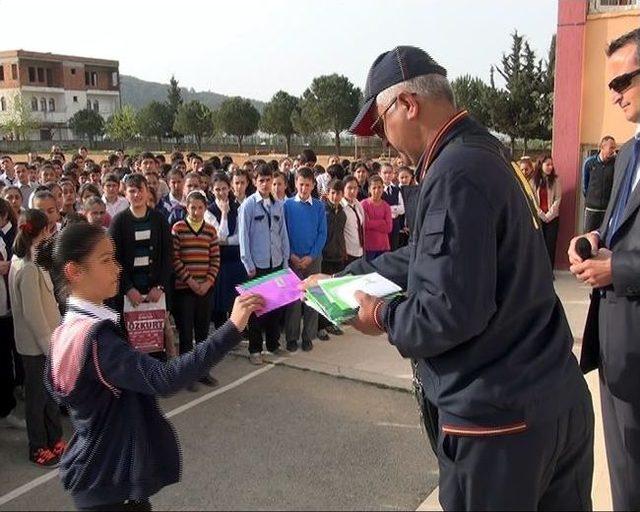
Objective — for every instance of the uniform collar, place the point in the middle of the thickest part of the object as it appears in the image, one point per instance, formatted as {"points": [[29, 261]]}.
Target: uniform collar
{"points": [[7, 227], [83, 308], [298, 199], [260, 199], [438, 143]]}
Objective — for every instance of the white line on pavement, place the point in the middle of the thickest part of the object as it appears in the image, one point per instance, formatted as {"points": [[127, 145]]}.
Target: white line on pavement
{"points": [[23, 489], [432, 503], [397, 425]]}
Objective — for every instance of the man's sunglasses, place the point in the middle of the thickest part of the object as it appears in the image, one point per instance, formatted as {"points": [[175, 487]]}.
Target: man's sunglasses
{"points": [[622, 82]]}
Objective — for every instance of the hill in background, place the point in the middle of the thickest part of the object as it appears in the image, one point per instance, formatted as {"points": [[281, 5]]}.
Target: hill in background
{"points": [[138, 93]]}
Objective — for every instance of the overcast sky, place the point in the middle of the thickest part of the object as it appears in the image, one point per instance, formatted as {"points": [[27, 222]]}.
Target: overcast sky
{"points": [[253, 48]]}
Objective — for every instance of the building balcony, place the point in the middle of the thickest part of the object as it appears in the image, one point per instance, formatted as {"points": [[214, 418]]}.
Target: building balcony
{"points": [[609, 6]]}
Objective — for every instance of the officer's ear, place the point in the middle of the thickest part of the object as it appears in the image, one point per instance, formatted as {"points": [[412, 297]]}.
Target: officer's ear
{"points": [[408, 102]]}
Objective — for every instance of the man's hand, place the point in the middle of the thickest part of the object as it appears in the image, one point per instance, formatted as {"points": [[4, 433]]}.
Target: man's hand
{"points": [[155, 294], [204, 287], [305, 262], [312, 281], [574, 258], [4, 267], [251, 274], [294, 261], [595, 271], [134, 297], [365, 321]]}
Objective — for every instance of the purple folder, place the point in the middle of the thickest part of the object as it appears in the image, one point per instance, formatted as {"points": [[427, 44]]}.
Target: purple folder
{"points": [[278, 289]]}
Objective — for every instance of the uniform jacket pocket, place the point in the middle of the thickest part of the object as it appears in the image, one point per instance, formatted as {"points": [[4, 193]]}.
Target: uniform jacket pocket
{"points": [[432, 234]]}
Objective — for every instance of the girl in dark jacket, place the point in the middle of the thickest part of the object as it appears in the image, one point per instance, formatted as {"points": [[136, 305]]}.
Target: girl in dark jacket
{"points": [[123, 450]]}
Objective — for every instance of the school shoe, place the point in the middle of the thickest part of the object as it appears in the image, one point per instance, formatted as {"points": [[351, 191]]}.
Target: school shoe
{"points": [[336, 331], [210, 381], [269, 356], [292, 346], [12, 421], [256, 358], [323, 336], [307, 345], [59, 447], [44, 458]]}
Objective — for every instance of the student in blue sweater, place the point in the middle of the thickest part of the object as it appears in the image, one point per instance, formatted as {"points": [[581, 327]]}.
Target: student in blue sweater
{"points": [[123, 450], [307, 228]]}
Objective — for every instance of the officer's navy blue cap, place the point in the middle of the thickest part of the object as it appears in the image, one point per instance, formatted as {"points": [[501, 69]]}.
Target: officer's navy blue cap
{"points": [[391, 68]]}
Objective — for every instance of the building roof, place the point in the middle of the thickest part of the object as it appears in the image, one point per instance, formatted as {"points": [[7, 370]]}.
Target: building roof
{"points": [[24, 54]]}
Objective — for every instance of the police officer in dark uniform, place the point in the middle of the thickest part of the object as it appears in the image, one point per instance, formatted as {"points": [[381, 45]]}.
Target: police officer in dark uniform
{"points": [[597, 180], [480, 316]]}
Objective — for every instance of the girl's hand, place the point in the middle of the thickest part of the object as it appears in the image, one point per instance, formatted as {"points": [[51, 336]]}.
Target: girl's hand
{"points": [[244, 306], [223, 206]]}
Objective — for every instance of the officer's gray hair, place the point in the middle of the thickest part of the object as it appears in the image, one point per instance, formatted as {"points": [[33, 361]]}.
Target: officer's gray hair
{"points": [[431, 86]]}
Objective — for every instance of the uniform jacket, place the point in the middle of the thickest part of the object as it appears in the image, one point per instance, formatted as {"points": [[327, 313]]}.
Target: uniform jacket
{"points": [[610, 340], [480, 315]]}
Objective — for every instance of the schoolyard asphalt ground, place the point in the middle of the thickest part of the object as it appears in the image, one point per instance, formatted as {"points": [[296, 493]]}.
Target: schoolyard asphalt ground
{"points": [[334, 428]]}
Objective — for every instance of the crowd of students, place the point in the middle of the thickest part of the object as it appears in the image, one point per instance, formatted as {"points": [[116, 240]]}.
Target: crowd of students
{"points": [[187, 231]]}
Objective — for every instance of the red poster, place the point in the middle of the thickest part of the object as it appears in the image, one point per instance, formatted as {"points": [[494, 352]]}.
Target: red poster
{"points": [[145, 325]]}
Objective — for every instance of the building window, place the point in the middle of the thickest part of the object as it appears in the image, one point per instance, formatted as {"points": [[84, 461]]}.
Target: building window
{"points": [[75, 99], [94, 79], [3, 104], [40, 75], [34, 104], [88, 104], [612, 5], [87, 78], [52, 105], [1, 73], [14, 71], [73, 71], [43, 104], [96, 106], [49, 77], [32, 74], [114, 79]]}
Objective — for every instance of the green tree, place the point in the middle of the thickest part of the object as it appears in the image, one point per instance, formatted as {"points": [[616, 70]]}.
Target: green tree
{"points": [[19, 121], [545, 106], [472, 94], [87, 123], [331, 103], [276, 116], [156, 120], [174, 100], [515, 109], [123, 125], [194, 118], [238, 117]]}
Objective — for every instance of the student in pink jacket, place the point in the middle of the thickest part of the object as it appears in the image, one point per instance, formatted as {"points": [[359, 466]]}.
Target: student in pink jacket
{"points": [[378, 221]]}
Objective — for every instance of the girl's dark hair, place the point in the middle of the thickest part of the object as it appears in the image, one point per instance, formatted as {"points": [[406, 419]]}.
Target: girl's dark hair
{"points": [[226, 160], [197, 195], [74, 243], [220, 176], [336, 171], [539, 175], [89, 187], [5, 209], [33, 223]]}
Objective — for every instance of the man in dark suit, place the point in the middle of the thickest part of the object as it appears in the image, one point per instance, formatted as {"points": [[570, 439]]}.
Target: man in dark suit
{"points": [[612, 334]]}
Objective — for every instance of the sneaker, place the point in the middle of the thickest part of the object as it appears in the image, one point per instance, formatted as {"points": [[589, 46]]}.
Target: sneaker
{"points": [[210, 381], [44, 458], [336, 331], [59, 447], [322, 336], [271, 356], [256, 358], [12, 421], [193, 387], [307, 345], [292, 346]]}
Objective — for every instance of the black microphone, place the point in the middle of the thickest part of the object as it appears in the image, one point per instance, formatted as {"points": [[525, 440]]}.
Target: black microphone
{"points": [[583, 248]]}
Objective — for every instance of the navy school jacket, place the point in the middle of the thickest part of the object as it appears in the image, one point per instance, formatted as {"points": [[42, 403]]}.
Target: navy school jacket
{"points": [[480, 315]]}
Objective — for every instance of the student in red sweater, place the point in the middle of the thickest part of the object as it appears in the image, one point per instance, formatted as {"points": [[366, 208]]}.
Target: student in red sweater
{"points": [[378, 222], [196, 261]]}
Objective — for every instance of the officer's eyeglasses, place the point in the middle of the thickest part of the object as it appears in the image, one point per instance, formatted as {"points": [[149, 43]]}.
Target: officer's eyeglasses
{"points": [[377, 126], [622, 82]]}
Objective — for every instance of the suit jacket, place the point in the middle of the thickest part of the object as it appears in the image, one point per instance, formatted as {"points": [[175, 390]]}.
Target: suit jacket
{"points": [[610, 340]]}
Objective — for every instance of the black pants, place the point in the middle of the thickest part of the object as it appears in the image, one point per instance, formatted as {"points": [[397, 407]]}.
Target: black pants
{"points": [[621, 422], [137, 505], [297, 312], [330, 268], [547, 467], [41, 411], [550, 233], [593, 220], [269, 324], [193, 314], [7, 371]]}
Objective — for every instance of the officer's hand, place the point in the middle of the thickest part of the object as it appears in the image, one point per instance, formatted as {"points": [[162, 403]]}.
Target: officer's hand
{"points": [[365, 321], [312, 281], [574, 258], [595, 271]]}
